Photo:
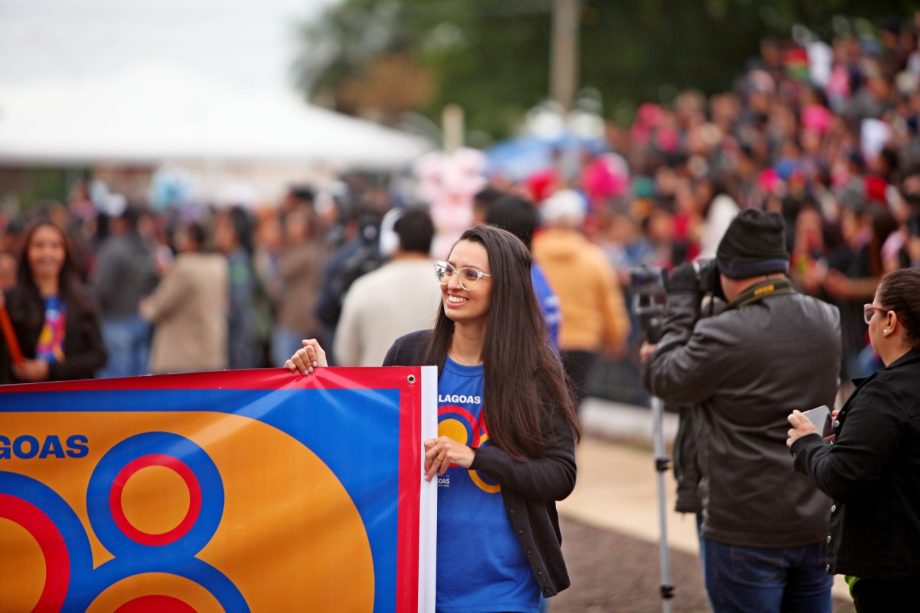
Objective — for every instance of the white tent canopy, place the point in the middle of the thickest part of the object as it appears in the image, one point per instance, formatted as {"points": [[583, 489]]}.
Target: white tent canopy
{"points": [[157, 114]]}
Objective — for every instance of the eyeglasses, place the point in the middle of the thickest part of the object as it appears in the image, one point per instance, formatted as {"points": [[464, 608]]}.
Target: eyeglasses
{"points": [[468, 275], [870, 309]]}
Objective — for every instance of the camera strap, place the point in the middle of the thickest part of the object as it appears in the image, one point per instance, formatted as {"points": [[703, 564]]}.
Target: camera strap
{"points": [[759, 291]]}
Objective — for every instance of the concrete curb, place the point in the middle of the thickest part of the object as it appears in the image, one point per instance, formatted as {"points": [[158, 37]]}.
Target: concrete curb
{"points": [[618, 421]]}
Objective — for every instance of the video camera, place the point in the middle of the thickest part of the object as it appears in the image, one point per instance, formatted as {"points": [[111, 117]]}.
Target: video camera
{"points": [[649, 299], [650, 293]]}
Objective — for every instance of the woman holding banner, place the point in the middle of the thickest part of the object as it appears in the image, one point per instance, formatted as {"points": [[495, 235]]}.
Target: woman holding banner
{"points": [[507, 427], [51, 319]]}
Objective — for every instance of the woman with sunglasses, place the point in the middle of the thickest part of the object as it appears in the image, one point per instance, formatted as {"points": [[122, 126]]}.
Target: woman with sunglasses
{"points": [[871, 466], [507, 427]]}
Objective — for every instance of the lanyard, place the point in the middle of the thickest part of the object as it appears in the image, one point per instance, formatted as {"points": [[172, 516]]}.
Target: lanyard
{"points": [[759, 291]]}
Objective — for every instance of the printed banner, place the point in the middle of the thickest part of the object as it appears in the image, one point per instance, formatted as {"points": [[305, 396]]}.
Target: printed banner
{"points": [[255, 490]]}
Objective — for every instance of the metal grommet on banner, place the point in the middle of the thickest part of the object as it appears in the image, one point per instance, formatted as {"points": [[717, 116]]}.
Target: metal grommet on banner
{"points": [[411, 379]]}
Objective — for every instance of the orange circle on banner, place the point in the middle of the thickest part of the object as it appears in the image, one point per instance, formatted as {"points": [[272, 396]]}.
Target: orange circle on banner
{"points": [[21, 558], [155, 499], [165, 587]]}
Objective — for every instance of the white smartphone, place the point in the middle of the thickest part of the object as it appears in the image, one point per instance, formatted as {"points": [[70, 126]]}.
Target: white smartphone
{"points": [[818, 417]]}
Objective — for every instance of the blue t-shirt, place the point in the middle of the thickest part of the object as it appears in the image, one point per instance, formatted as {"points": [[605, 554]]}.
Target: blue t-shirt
{"points": [[481, 566], [549, 303], [50, 346]]}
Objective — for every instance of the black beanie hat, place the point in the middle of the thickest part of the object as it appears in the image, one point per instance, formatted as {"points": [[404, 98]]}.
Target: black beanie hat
{"points": [[753, 245]]}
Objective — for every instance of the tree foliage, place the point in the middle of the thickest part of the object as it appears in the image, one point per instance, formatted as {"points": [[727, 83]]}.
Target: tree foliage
{"points": [[384, 57]]}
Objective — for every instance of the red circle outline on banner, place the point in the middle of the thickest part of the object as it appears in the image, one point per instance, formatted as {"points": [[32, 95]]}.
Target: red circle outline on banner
{"points": [[194, 504], [155, 603], [50, 541]]}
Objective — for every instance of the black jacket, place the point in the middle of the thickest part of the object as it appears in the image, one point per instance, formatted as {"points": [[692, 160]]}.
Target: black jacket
{"points": [[686, 464], [745, 370], [84, 350], [872, 471], [530, 488]]}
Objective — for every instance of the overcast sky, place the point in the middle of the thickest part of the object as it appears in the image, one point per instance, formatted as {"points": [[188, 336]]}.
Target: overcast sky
{"points": [[243, 43]]}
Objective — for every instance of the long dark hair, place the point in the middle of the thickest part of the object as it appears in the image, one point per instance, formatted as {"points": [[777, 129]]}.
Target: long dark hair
{"points": [[899, 291], [24, 269], [69, 284], [524, 380]]}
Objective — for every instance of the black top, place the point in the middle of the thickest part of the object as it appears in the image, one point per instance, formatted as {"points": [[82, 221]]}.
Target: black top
{"points": [[872, 471], [84, 350], [530, 487]]}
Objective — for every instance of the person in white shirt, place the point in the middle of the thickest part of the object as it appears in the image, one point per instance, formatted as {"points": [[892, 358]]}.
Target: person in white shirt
{"points": [[399, 297]]}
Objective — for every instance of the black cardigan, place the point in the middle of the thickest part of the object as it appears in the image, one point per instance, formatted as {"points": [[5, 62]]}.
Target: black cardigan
{"points": [[872, 471], [84, 350], [529, 487]]}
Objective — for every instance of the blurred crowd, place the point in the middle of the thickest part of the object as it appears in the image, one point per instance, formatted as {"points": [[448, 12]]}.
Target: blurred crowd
{"points": [[827, 134]]}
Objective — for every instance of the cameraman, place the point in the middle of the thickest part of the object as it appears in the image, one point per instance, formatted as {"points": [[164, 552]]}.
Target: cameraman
{"points": [[744, 369]]}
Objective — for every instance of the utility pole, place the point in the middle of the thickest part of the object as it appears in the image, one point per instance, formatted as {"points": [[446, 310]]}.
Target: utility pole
{"points": [[452, 122], [563, 76]]}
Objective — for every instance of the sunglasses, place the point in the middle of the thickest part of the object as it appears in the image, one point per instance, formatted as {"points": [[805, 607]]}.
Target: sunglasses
{"points": [[468, 275]]}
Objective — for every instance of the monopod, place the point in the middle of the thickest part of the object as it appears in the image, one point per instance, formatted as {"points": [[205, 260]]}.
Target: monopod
{"points": [[649, 305]]}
